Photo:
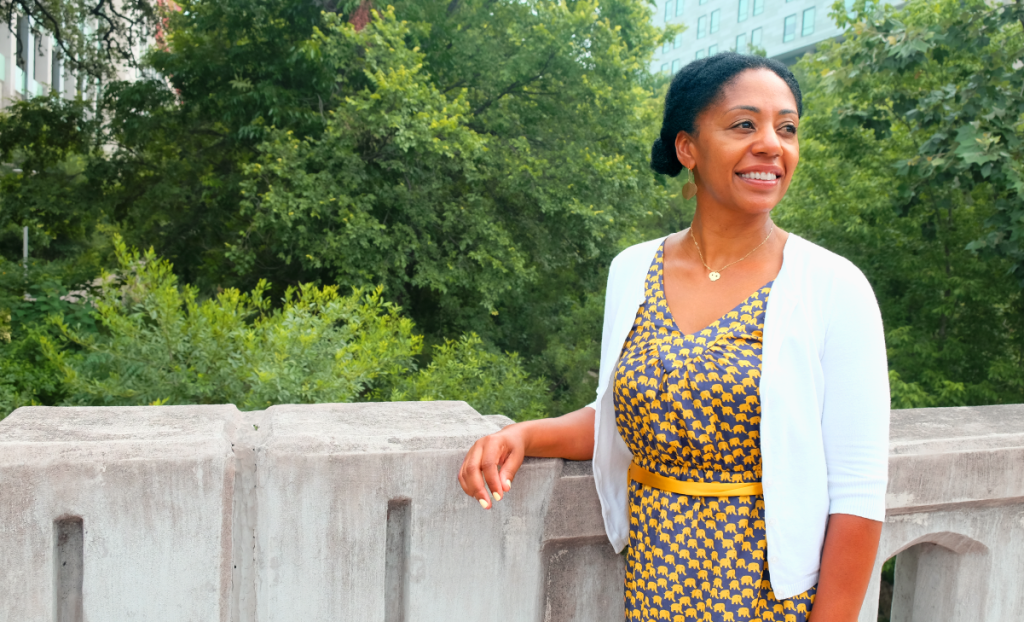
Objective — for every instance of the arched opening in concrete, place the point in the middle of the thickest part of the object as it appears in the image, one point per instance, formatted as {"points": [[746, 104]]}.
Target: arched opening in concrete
{"points": [[940, 577], [885, 590]]}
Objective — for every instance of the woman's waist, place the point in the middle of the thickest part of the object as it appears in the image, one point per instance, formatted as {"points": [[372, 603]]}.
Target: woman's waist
{"points": [[705, 473], [691, 487]]}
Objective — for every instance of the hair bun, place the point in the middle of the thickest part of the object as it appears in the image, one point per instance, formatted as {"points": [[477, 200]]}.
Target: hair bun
{"points": [[664, 160]]}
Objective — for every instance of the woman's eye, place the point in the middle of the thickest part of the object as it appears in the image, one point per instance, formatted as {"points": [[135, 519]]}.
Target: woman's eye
{"points": [[789, 128], [746, 125]]}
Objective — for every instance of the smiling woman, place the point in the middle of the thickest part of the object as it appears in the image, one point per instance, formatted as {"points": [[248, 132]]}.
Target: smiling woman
{"points": [[740, 430]]}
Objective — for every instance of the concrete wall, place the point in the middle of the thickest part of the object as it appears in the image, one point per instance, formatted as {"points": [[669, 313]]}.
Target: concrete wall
{"points": [[353, 512]]}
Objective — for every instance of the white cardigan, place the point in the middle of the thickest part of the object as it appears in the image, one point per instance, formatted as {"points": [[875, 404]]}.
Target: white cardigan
{"points": [[824, 404]]}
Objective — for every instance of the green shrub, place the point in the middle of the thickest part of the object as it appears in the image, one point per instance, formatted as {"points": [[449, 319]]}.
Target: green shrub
{"points": [[158, 344], [491, 382]]}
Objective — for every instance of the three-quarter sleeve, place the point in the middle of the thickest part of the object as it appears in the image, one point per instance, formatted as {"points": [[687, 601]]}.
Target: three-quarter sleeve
{"points": [[855, 412]]}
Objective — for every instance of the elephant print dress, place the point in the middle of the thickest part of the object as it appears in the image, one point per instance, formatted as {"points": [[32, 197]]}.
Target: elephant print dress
{"points": [[688, 408]]}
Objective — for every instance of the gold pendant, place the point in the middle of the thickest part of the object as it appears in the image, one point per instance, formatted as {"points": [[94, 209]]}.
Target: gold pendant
{"points": [[714, 276]]}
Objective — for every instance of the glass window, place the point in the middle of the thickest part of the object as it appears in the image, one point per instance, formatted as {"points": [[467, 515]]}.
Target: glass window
{"points": [[703, 2], [702, 27], [789, 29], [716, 16], [758, 7], [741, 44], [675, 65], [744, 8], [808, 28], [678, 41], [665, 48], [701, 53], [755, 37], [679, 7], [664, 68], [668, 9], [712, 50]]}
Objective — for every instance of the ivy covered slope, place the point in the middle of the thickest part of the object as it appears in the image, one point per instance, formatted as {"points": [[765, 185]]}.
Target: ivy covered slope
{"points": [[911, 166]]}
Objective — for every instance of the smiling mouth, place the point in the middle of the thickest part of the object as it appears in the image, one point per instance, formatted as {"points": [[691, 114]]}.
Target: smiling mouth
{"points": [[760, 176]]}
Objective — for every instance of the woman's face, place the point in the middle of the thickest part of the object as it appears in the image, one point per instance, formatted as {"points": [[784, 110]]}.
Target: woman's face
{"points": [[745, 149]]}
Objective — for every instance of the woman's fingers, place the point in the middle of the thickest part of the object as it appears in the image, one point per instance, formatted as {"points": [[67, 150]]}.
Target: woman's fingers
{"points": [[510, 467], [470, 478], [490, 464], [489, 468]]}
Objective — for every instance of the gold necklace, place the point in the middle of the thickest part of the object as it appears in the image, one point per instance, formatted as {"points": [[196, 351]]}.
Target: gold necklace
{"points": [[714, 275]]}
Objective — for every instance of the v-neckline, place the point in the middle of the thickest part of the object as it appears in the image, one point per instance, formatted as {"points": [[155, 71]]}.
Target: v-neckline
{"points": [[668, 310]]}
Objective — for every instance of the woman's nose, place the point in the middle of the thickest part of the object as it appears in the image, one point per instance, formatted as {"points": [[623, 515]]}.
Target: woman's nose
{"points": [[768, 143]]}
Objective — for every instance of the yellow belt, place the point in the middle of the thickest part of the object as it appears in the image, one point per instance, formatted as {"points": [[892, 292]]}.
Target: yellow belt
{"points": [[694, 489]]}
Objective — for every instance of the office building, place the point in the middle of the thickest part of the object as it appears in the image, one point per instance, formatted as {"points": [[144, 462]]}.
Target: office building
{"points": [[30, 65], [784, 29]]}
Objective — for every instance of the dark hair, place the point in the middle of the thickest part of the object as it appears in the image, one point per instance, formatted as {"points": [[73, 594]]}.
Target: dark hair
{"points": [[697, 86]]}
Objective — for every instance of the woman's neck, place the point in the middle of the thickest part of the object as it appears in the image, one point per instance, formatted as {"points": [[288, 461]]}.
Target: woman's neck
{"points": [[726, 238]]}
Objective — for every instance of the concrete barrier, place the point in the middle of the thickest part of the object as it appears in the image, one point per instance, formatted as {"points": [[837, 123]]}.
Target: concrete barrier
{"points": [[353, 512], [116, 513]]}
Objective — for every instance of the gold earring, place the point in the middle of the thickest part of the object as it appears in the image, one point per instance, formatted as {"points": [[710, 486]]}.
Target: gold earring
{"points": [[689, 188]]}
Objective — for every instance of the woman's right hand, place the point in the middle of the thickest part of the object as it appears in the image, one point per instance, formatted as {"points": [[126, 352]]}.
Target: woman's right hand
{"points": [[493, 460]]}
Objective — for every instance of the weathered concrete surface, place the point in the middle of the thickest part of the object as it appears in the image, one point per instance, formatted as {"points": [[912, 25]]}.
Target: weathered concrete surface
{"points": [[326, 475], [353, 512], [152, 487], [955, 515]]}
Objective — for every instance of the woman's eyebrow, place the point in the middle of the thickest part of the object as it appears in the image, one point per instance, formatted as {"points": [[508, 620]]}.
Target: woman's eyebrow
{"points": [[758, 110]]}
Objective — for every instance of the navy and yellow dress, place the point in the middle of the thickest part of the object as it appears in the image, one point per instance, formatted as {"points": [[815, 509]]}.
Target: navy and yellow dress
{"points": [[688, 408]]}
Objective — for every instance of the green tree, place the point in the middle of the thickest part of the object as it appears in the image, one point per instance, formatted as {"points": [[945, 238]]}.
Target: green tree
{"points": [[944, 71], [483, 161], [885, 181]]}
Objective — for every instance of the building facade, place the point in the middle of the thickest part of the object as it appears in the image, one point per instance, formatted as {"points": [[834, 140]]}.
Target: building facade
{"points": [[29, 66], [783, 29]]}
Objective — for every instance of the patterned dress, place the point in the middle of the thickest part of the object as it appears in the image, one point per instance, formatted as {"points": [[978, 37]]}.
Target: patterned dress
{"points": [[688, 408]]}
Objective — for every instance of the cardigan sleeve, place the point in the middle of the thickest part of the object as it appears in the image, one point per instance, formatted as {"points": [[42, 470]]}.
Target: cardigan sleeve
{"points": [[855, 412]]}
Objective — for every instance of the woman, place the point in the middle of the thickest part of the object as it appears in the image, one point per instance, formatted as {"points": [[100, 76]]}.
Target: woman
{"points": [[740, 431]]}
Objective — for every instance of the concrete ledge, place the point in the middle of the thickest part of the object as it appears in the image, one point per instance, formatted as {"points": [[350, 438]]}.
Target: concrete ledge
{"points": [[151, 489], [353, 512]]}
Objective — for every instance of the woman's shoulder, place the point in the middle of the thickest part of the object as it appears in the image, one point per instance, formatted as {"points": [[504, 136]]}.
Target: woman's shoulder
{"points": [[818, 263], [830, 282], [636, 256]]}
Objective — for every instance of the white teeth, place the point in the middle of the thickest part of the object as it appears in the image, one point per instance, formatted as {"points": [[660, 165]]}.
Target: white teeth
{"points": [[761, 176]]}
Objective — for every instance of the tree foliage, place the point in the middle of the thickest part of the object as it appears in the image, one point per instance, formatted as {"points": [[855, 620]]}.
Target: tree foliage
{"points": [[946, 73], [155, 342], [466, 369], [885, 181], [482, 161], [158, 343]]}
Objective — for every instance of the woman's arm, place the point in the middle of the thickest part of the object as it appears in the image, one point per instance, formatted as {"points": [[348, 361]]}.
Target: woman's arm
{"points": [[847, 559], [494, 459], [855, 435]]}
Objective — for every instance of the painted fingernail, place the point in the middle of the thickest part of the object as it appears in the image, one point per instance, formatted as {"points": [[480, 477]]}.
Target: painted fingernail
{"points": [[497, 496], [483, 503], [508, 483]]}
